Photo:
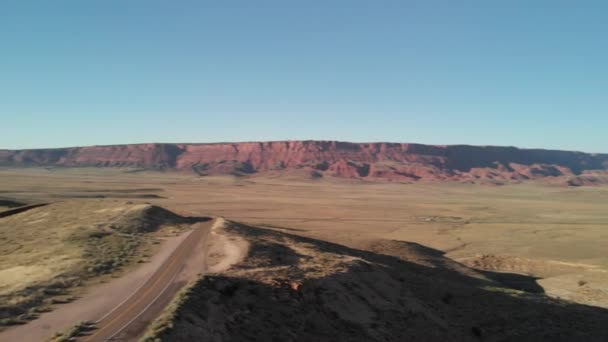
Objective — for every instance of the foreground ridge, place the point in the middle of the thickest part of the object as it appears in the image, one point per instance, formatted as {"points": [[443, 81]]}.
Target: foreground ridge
{"points": [[294, 288]]}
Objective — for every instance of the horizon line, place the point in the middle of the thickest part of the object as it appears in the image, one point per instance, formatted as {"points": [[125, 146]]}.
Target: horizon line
{"points": [[300, 140]]}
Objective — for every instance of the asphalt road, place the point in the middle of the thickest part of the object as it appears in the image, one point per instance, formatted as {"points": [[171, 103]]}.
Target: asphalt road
{"points": [[142, 299]]}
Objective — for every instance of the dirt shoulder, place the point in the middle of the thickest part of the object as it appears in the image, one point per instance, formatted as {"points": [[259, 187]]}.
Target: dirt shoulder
{"points": [[93, 304], [158, 286], [221, 253]]}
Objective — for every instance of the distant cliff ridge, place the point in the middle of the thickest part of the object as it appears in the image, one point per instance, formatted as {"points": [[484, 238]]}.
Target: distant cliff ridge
{"points": [[372, 161]]}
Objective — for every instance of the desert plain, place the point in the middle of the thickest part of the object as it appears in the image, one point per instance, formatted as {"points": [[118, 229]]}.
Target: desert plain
{"points": [[547, 240]]}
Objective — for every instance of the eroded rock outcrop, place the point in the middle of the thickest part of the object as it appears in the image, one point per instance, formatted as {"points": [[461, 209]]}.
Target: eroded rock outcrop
{"points": [[372, 161]]}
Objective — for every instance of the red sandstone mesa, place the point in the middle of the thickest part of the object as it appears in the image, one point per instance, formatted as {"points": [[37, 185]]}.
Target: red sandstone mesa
{"points": [[371, 161]]}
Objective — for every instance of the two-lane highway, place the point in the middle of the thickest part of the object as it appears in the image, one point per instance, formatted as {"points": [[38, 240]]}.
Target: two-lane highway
{"points": [[128, 311]]}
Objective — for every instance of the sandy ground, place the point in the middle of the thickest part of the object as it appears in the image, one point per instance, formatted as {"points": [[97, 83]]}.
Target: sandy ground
{"points": [[224, 251], [534, 223], [94, 303]]}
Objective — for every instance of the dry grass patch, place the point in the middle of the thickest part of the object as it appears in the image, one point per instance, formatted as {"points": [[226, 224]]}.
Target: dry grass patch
{"points": [[46, 252], [72, 333]]}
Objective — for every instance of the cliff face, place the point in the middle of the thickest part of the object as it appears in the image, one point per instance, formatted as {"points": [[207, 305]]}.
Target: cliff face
{"points": [[373, 161]]}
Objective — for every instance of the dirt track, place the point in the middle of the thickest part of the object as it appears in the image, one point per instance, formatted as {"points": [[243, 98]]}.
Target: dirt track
{"points": [[141, 300]]}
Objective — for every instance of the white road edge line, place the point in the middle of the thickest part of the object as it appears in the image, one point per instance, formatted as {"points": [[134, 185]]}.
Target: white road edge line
{"points": [[142, 285], [147, 306], [160, 294]]}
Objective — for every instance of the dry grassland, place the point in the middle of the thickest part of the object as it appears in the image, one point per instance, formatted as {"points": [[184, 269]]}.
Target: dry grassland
{"points": [[47, 252], [555, 233]]}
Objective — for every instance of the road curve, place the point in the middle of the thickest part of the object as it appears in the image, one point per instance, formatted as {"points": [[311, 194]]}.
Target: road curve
{"points": [[128, 311]]}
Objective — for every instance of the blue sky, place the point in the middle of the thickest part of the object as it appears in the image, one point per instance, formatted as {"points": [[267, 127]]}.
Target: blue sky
{"points": [[519, 73]]}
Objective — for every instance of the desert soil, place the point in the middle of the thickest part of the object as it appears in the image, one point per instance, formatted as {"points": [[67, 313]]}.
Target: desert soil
{"points": [[553, 233]]}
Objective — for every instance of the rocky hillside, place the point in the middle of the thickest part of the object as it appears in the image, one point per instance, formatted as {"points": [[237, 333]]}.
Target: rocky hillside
{"points": [[372, 161], [292, 288]]}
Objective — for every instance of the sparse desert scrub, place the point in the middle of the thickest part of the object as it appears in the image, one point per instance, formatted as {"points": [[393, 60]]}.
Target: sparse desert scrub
{"points": [[73, 332], [292, 288], [47, 252], [164, 323], [554, 233]]}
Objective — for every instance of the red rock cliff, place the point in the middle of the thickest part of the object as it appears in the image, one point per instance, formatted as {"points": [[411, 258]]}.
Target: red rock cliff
{"points": [[389, 161]]}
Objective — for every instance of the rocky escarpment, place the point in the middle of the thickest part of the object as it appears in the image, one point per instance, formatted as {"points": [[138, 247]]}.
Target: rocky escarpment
{"points": [[372, 161]]}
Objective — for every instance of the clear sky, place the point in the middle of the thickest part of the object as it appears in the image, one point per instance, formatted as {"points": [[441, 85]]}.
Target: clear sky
{"points": [[520, 73]]}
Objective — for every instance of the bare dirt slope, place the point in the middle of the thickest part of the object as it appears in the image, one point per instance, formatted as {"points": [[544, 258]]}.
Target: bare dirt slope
{"points": [[291, 288]]}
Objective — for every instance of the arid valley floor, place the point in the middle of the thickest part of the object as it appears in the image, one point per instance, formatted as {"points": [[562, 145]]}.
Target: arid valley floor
{"points": [[469, 262]]}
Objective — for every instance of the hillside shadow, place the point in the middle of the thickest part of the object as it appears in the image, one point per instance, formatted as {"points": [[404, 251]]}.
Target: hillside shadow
{"points": [[10, 203], [377, 297], [196, 219], [515, 281], [437, 259]]}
